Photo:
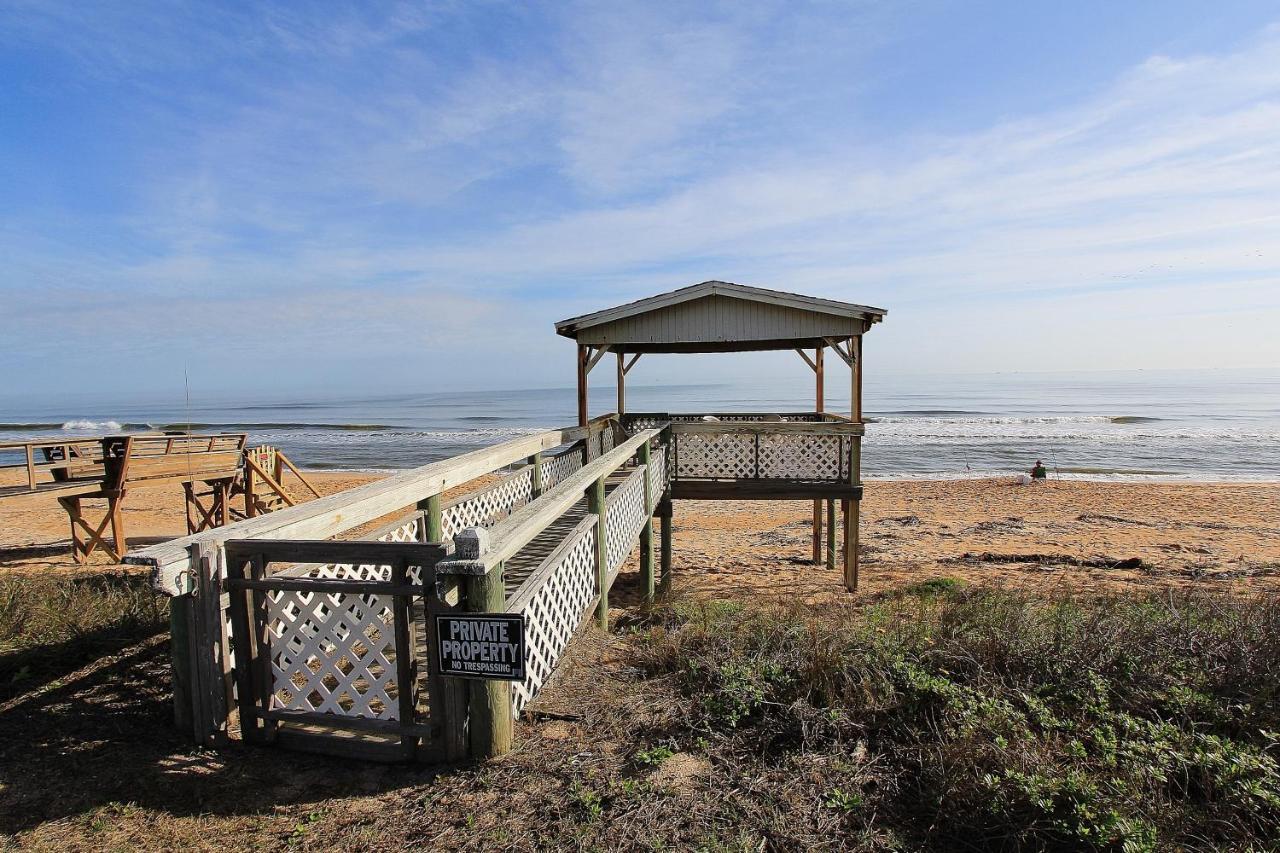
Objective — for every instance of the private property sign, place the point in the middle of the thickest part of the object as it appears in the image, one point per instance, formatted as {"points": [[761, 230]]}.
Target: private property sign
{"points": [[480, 645]]}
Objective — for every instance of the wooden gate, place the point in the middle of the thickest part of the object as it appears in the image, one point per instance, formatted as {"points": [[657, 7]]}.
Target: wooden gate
{"points": [[331, 646]]}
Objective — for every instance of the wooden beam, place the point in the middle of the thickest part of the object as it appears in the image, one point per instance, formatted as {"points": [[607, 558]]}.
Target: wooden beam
{"points": [[807, 360], [632, 363], [844, 354], [855, 346], [491, 723], [599, 354], [583, 355], [622, 385]]}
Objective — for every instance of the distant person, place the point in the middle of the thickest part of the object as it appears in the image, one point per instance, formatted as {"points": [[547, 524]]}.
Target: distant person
{"points": [[1039, 472]]}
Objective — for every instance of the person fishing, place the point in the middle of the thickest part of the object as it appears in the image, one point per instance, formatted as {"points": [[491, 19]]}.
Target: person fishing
{"points": [[1039, 472]]}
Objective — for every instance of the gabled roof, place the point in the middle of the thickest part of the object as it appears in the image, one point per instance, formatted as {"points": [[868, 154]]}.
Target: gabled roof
{"points": [[571, 327]]}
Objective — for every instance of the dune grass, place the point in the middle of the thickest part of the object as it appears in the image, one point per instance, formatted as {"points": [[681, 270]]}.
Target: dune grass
{"points": [[959, 719], [53, 624]]}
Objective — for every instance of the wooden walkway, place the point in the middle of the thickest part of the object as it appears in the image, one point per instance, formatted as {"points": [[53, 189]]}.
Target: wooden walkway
{"points": [[527, 560]]}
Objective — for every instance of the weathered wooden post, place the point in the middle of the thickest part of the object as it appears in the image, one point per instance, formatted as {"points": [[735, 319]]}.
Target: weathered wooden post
{"points": [[489, 720], [596, 505], [535, 476], [454, 695], [831, 534], [820, 407], [646, 532], [664, 533]]}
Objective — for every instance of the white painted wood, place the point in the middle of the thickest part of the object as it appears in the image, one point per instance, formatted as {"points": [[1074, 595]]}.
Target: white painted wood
{"points": [[519, 529], [172, 563]]}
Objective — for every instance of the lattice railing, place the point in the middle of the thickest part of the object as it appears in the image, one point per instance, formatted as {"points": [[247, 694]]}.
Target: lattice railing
{"points": [[801, 456], [739, 454], [624, 516], [489, 505], [555, 600], [561, 466], [657, 475], [721, 456]]}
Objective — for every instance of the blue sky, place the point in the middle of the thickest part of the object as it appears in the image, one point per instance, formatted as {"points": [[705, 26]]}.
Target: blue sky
{"points": [[282, 197]]}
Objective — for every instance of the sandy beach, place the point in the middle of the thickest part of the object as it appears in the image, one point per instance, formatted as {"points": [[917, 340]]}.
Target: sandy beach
{"points": [[1076, 535]]}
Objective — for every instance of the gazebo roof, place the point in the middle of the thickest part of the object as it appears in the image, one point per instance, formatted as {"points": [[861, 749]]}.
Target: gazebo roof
{"points": [[719, 316]]}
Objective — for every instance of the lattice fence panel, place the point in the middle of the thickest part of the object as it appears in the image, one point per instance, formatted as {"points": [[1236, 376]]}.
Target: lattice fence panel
{"points": [[557, 468], [657, 476], [554, 613], [797, 456], [332, 653], [727, 456], [490, 506], [606, 440], [624, 516]]}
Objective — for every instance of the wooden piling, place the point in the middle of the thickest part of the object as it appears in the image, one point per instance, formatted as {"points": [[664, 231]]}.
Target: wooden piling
{"points": [[490, 724], [646, 532], [596, 505]]}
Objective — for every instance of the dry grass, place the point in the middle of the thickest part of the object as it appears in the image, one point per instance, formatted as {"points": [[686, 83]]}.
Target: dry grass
{"points": [[936, 717]]}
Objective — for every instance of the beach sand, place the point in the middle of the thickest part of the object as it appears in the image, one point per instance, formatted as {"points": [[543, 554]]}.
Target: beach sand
{"points": [[1056, 535]]}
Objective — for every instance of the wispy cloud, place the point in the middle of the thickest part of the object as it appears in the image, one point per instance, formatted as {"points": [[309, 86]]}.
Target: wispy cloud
{"points": [[373, 171]]}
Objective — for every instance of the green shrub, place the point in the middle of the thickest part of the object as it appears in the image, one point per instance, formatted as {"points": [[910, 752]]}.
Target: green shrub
{"points": [[1109, 723]]}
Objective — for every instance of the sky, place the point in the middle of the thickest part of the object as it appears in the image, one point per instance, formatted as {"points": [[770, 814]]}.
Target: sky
{"points": [[284, 197]]}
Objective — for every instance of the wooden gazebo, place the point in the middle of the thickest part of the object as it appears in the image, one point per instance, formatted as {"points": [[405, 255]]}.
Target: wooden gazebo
{"points": [[760, 455]]}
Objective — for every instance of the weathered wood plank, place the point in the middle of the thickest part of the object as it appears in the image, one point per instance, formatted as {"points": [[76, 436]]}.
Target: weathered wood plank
{"points": [[171, 562]]}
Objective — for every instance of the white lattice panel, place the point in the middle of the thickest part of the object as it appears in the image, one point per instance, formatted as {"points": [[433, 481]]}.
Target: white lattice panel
{"points": [[489, 506], [606, 440], [657, 476], [410, 531], [554, 614], [557, 468], [332, 653], [728, 456], [796, 456], [624, 516]]}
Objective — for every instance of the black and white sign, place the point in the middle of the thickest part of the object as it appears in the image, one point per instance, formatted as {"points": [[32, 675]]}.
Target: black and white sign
{"points": [[480, 645]]}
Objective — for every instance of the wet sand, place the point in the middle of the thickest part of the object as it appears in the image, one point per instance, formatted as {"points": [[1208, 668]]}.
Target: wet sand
{"points": [[1071, 535]]}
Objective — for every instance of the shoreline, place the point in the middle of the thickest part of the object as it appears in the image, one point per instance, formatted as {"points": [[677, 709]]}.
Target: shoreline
{"points": [[933, 477]]}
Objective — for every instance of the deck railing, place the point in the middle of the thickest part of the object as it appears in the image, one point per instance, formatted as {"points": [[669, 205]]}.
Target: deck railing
{"points": [[546, 538]]}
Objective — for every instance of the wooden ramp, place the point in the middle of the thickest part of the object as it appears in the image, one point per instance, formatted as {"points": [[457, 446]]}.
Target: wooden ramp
{"points": [[517, 569]]}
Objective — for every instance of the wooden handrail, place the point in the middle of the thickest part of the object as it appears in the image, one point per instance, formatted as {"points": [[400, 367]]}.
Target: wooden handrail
{"points": [[173, 564], [767, 427], [521, 527]]}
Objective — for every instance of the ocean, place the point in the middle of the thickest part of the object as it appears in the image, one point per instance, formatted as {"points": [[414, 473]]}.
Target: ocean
{"points": [[1127, 425]]}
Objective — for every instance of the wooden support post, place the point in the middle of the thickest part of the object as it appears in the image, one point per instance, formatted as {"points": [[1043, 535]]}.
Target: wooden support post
{"points": [[831, 534], [664, 531], [855, 350], [596, 505], [432, 529], [180, 618], [582, 385], [491, 722], [535, 476], [817, 532], [850, 546], [454, 696], [622, 386], [646, 532], [820, 405]]}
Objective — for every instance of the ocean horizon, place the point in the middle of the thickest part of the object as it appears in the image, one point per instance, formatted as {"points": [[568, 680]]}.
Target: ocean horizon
{"points": [[1221, 425]]}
